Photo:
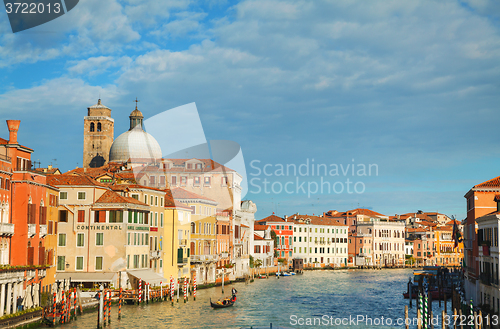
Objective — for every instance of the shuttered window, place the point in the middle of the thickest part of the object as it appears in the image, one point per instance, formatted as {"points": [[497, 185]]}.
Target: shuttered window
{"points": [[81, 216]]}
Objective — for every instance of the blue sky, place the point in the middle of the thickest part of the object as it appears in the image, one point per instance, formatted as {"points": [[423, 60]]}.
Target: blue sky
{"points": [[411, 86]]}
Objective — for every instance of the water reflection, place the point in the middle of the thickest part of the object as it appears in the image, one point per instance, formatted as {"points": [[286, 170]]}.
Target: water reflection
{"points": [[339, 294]]}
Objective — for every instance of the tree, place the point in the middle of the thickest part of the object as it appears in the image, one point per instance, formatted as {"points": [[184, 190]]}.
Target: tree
{"points": [[257, 263], [276, 242]]}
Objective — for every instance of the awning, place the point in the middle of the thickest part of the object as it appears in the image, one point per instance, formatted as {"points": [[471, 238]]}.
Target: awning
{"points": [[86, 277], [148, 276]]}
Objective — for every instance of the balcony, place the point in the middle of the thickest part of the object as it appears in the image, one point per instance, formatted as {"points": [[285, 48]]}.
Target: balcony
{"points": [[43, 231], [31, 230], [204, 258], [6, 229], [487, 279], [224, 255], [154, 254], [183, 242], [182, 261]]}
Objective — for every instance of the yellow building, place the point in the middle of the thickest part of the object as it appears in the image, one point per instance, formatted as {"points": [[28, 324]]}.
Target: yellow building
{"points": [[203, 228], [446, 254], [176, 239]]}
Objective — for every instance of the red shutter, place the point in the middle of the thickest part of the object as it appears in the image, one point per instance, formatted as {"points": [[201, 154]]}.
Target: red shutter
{"points": [[51, 228], [31, 254], [41, 256], [50, 257], [81, 216], [55, 227], [18, 164], [43, 215], [102, 216]]}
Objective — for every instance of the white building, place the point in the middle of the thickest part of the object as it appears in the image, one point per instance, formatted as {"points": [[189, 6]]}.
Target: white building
{"points": [[388, 241], [319, 241], [263, 245], [487, 240]]}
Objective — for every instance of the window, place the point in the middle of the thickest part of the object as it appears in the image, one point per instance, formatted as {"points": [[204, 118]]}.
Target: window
{"points": [[63, 216], [62, 240], [174, 180], [136, 261], [145, 199], [196, 181], [99, 239], [152, 180], [156, 200], [135, 196], [161, 219], [183, 180], [92, 127], [161, 202], [207, 181], [80, 240], [79, 263], [61, 263], [224, 181], [152, 198], [98, 263], [81, 216], [99, 127], [63, 195], [81, 195]]}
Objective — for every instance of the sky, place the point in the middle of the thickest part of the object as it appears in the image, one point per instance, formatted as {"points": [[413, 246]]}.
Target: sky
{"points": [[409, 89]]}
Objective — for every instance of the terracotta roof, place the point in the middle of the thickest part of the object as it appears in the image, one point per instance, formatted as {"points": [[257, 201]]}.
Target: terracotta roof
{"points": [[315, 220], [182, 194], [113, 197], [258, 227], [427, 223], [170, 202], [492, 183], [257, 237], [272, 218], [64, 179], [451, 222], [243, 225], [354, 212], [47, 171]]}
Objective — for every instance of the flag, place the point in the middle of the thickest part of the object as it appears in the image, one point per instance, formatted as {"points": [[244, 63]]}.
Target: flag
{"points": [[457, 236]]}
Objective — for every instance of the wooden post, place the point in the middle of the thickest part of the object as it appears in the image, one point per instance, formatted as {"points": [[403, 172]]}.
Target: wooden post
{"points": [[419, 319], [80, 309], [120, 298], [445, 302], [54, 310], [443, 315], [454, 317], [223, 280], [480, 324], [460, 318], [431, 317], [474, 320], [63, 305], [407, 324], [105, 294], [109, 306]]}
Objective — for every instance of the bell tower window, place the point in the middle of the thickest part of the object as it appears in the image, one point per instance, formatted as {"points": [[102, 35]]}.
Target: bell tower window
{"points": [[92, 127], [98, 127]]}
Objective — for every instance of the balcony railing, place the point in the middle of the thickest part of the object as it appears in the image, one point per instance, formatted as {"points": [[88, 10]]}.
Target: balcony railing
{"points": [[487, 279], [31, 230], [43, 231], [204, 258], [6, 229], [182, 261], [154, 254], [182, 242]]}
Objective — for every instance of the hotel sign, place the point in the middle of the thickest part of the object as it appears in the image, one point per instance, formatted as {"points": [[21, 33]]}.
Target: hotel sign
{"points": [[100, 227]]}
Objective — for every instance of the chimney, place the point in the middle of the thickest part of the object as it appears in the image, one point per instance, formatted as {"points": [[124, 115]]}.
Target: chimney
{"points": [[13, 128], [286, 218], [49, 167]]}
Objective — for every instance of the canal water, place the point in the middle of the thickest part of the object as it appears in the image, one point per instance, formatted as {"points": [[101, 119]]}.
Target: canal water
{"points": [[331, 298]]}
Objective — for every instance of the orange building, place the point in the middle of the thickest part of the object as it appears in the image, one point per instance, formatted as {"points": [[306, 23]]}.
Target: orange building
{"points": [[480, 201], [24, 224]]}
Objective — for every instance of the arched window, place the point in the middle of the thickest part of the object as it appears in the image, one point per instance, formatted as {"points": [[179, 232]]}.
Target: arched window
{"points": [[98, 126], [92, 127]]}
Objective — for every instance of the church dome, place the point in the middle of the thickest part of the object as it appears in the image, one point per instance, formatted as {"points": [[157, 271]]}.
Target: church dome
{"points": [[134, 144]]}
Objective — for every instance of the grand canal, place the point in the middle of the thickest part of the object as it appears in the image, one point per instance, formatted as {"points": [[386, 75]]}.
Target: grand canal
{"points": [[283, 302]]}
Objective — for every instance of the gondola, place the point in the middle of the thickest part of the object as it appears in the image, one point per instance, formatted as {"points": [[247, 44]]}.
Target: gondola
{"points": [[228, 304]]}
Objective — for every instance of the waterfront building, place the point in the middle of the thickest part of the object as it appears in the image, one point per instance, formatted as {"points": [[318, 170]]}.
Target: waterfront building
{"points": [[23, 224], [480, 201], [388, 240], [203, 240], [319, 241], [103, 234], [263, 245], [360, 249], [423, 245], [283, 230], [409, 252], [445, 253], [176, 239], [488, 269], [224, 221], [98, 132]]}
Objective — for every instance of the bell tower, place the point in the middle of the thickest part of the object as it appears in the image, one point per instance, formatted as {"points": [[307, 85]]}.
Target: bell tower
{"points": [[98, 132]]}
